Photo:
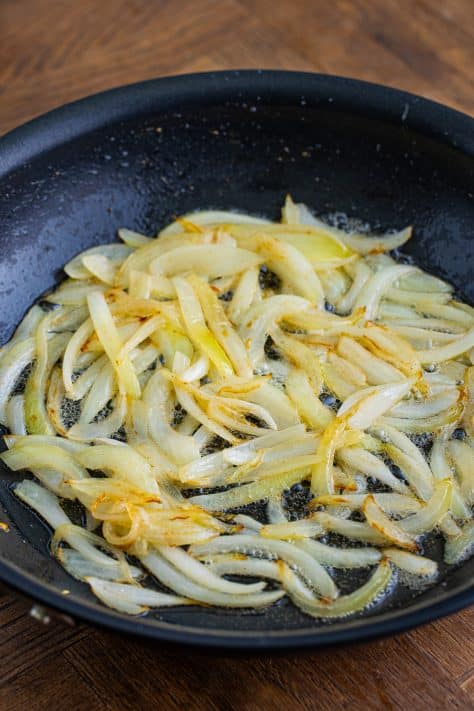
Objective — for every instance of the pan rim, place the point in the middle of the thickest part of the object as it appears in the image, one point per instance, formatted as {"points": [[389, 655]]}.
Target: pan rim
{"points": [[66, 123]]}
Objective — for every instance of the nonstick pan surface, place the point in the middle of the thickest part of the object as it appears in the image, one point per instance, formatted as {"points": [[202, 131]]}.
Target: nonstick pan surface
{"points": [[138, 155]]}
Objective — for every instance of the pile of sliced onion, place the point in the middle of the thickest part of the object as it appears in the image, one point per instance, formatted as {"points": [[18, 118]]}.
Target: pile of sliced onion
{"points": [[242, 355]]}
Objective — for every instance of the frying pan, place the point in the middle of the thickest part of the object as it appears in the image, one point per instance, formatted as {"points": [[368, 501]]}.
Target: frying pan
{"points": [[138, 155]]}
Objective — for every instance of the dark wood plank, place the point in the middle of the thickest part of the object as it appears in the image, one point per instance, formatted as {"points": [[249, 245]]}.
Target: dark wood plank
{"points": [[26, 643], [53, 679], [54, 51]]}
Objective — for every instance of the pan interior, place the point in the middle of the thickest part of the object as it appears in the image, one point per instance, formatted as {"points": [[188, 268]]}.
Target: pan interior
{"points": [[232, 155]]}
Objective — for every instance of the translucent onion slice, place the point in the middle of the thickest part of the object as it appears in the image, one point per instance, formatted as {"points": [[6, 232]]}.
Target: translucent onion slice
{"points": [[211, 261], [261, 317], [351, 372], [422, 425], [276, 402], [416, 298], [40, 440], [365, 596], [448, 351], [229, 564], [292, 530], [309, 568], [378, 372], [300, 355], [133, 239], [103, 428], [201, 574], [461, 547], [108, 335], [122, 462], [432, 513], [213, 217], [376, 286], [42, 501], [181, 448], [463, 458], [197, 329], [442, 468], [377, 519], [360, 273], [216, 464], [100, 267], [340, 557], [322, 480], [364, 407], [115, 252], [370, 465], [131, 599], [398, 504], [177, 580], [293, 268], [81, 568], [47, 506], [101, 391], [14, 361], [244, 294], [452, 311], [414, 564], [310, 408], [188, 403], [27, 455], [15, 415], [221, 327], [361, 243], [248, 493], [350, 529], [415, 409], [233, 414]]}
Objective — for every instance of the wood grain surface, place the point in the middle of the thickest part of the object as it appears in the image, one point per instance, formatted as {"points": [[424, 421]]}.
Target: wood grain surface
{"points": [[54, 51]]}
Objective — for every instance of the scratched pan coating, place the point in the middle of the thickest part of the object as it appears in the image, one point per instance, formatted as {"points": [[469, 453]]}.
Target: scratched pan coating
{"points": [[138, 155]]}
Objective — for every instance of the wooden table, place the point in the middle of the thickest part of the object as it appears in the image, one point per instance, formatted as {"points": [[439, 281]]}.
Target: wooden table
{"points": [[54, 51]]}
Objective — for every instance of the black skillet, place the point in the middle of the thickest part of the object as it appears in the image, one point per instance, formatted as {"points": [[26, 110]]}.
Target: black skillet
{"points": [[135, 157]]}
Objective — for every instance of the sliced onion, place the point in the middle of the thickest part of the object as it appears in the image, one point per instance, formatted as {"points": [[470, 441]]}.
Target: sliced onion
{"points": [[350, 529], [248, 493], [463, 458], [14, 361], [451, 350], [370, 465], [177, 580], [201, 574], [292, 530], [432, 513], [132, 599], [108, 335], [244, 294], [122, 462], [378, 372], [115, 252], [15, 415], [376, 286], [366, 406], [378, 520], [414, 564], [461, 547], [309, 568], [133, 239], [306, 401], [399, 504], [289, 264], [81, 568], [365, 596]]}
